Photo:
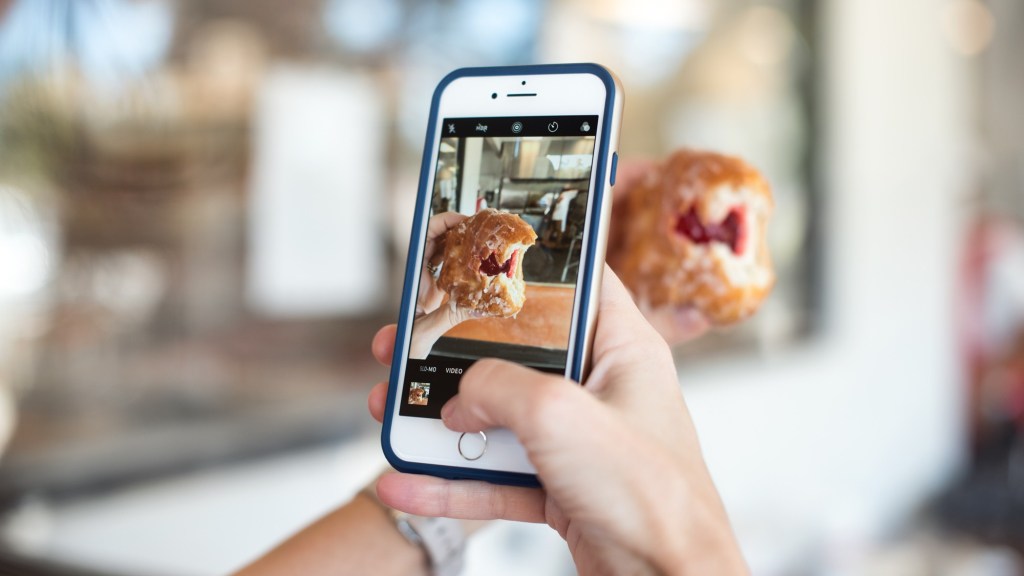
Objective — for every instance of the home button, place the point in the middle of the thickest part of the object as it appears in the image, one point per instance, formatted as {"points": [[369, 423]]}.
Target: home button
{"points": [[472, 445]]}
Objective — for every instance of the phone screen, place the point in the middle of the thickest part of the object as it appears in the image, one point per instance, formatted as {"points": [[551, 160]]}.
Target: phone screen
{"points": [[538, 169]]}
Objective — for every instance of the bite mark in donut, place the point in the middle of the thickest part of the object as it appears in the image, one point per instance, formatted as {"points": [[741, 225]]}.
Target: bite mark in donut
{"points": [[490, 266], [693, 234], [482, 268], [731, 231]]}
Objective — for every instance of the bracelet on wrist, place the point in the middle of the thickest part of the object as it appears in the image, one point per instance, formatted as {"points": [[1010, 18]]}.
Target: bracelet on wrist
{"points": [[443, 539]]}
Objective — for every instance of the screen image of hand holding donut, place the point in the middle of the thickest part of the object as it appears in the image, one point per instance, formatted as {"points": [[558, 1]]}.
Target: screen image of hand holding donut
{"points": [[502, 250]]}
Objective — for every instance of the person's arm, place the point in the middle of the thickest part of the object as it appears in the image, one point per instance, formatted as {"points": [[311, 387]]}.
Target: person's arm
{"points": [[430, 296], [625, 481], [427, 329], [358, 538]]}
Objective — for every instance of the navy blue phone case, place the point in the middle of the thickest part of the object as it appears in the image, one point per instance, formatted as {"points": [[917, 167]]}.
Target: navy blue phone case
{"points": [[411, 272]]}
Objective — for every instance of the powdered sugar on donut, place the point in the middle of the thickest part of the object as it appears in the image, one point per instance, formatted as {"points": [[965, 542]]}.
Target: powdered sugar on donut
{"points": [[483, 263], [694, 235]]}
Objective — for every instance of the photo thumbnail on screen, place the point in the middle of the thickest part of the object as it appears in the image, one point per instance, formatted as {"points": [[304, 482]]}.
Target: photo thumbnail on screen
{"points": [[419, 394], [502, 250]]}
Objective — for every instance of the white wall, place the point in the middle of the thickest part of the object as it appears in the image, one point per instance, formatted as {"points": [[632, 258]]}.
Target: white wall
{"points": [[833, 442]]}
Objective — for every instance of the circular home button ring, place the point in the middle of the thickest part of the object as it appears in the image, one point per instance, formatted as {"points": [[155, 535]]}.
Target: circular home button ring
{"points": [[472, 445]]}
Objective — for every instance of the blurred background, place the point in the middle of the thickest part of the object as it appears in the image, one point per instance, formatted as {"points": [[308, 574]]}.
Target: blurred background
{"points": [[205, 207]]}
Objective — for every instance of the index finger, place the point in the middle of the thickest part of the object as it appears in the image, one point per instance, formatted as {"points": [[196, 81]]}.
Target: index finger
{"points": [[441, 223], [437, 227], [467, 499]]}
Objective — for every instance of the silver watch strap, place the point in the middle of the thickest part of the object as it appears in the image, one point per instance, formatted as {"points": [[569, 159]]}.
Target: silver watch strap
{"points": [[443, 539]]}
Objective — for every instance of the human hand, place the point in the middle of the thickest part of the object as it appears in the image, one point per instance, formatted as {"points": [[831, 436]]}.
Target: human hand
{"points": [[434, 314], [428, 328], [624, 480], [676, 325], [430, 296]]}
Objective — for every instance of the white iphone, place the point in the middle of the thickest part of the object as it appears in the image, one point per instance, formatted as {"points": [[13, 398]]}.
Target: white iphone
{"points": [[529, 149]]}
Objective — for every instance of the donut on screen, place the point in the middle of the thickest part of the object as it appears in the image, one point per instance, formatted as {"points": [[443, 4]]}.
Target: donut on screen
{"points": [[482, 268]]}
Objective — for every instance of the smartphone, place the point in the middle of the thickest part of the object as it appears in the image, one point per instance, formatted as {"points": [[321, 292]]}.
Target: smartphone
{"points": [[537, 144]]}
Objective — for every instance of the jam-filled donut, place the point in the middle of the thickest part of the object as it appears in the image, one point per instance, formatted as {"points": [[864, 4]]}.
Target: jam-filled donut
{"points": [[483, 258], [693, 234]]}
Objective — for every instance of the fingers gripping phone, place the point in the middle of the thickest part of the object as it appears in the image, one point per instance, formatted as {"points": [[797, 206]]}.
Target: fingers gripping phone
{"points": [[506, 253]]}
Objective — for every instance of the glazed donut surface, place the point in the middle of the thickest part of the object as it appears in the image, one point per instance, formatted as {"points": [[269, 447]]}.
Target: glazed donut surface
{"points": [[482, 267], [693, 233]]}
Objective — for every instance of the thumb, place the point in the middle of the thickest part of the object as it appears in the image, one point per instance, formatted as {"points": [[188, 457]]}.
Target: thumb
{"points": [[563, 428], [499, 394]]}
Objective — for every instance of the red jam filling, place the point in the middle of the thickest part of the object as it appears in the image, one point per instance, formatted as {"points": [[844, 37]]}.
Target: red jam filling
{"points": [[490, 266], [731, 231]]}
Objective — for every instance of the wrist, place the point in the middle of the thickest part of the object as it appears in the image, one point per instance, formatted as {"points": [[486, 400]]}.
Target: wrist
{"points": [[697, 540], [427, 330], [358, 538], [441, 541], [411, 555], [712, 551], [440, 321]]}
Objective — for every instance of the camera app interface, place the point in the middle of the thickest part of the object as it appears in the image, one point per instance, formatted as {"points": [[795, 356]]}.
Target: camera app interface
{"points": [[502, 251]]}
